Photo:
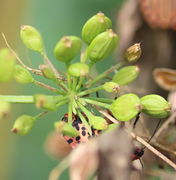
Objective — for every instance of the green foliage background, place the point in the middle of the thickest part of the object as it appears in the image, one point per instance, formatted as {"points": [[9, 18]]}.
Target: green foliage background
{"points": [[53, 19]]}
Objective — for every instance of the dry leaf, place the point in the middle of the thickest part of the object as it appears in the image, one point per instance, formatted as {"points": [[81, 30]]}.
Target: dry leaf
{"points": [[166, 78], [83, 161], [159, 13], [56, 146]]}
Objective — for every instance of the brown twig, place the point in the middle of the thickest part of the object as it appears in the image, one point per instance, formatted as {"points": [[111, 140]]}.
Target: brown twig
{"points": [[160, 146], [35, 71], [147, 145], [48, 87], [164, 126], [155, 151]]}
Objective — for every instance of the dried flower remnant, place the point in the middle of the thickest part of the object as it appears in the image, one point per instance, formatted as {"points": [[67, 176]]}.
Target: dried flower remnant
{"points": [[166, 78], [159, 13]]}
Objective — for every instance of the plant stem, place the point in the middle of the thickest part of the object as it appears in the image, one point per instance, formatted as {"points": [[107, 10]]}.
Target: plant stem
{"points": [[61, 103], [89, 91], [74, 83], [104, 105], [35, 71], [41, 114], [105, 73], [81, 80], [17, 99], [103, 100], [70, 111], [49, 87], [84, 121], [85, 111], [84, 56], [47, 61]]}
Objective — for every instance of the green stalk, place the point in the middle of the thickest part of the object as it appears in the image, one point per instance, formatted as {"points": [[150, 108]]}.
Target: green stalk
{"points": [[61, 103], [89, 91], [48, 87], [93, 102], [86, 124], [40, 115], [17, 99], [74, 83], [70, 112], [61, 84], [85, 111], [105, 73], [81, 80], [103, 100], [84, 57]]}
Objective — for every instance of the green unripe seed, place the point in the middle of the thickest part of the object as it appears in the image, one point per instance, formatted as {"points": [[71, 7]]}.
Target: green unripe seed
{"points": [[98, 123], [155, 106], [94, 26], [47, 72], [4, 108], [111, 87], [45, 102], [23, 125], [126, 75], [78, 69], [67, 48], [133, 53], [69, 130], [7, 65], [32, 38], [125, 107], [102, 45], [22, 75]]}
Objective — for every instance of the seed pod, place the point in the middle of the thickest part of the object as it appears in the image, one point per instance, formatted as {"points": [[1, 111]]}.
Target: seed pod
{"points": [[46, 102], [22, 75], [23, 125], [47, 72], [155, 106], [125, 107], [126, 75], [111, 87], [94, 26], [4, 108], [98, 123], [78, 69], [103, 45], [32, 38], [67, 48], [133, 53], [7, 64], [69, 130]]}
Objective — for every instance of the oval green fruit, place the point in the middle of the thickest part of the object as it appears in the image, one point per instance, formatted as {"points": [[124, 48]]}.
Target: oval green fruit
{"points": [[102, 45], [125, 107], [22, 75], [155, 106], [78, 69], [67, 48], [111, 87], [126, 75], [32, 38], [23, 124], [7, 65], [98, 123], [94, 26]]}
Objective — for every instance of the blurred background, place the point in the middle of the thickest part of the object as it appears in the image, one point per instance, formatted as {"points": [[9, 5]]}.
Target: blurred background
{"points": [[24, 158]]}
